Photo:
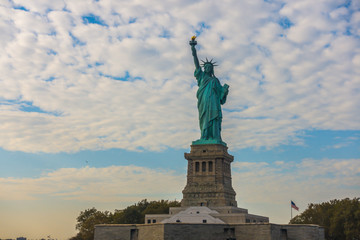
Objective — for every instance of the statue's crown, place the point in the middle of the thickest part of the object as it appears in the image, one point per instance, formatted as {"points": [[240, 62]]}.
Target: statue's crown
{"points": [[208, 62]]}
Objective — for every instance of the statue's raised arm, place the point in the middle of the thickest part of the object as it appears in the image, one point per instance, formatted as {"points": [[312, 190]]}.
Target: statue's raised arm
{"points": [[193, 50]]}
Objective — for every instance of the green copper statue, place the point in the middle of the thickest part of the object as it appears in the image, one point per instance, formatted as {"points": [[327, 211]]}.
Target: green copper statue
{"points": [[210, 95]]}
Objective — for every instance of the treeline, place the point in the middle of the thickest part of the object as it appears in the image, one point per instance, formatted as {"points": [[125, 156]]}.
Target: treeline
{"points": [[340, 218], [134, 214]]}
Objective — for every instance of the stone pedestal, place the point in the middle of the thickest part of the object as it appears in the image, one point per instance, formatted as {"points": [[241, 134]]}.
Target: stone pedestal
{"points": [[209, 210], [209, 177]]}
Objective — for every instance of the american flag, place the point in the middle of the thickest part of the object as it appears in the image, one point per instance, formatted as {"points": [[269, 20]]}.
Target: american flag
{"points": [[293, 205]]}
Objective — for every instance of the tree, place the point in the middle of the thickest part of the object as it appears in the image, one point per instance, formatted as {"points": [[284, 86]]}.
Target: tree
{"points": [[87, 220], [134, 214], [160, 207], [340, 218]]}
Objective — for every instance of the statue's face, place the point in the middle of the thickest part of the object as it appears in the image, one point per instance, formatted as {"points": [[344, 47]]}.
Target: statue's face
{"points": [[208, 68]]}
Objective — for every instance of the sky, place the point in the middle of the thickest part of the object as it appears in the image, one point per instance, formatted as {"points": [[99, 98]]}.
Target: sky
{"points": [[98, 104]]}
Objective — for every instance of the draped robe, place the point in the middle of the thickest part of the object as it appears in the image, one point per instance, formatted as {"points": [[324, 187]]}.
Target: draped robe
{"points": [[210, 95]]}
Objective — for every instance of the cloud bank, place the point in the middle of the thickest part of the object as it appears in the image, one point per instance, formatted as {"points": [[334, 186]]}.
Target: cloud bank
{"points": [[310, 180], [102, 74], [110, 184], [258, 185]]}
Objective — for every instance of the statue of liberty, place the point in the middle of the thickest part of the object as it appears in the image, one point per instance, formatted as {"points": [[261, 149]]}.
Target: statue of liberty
{"points": [[210, 96]]}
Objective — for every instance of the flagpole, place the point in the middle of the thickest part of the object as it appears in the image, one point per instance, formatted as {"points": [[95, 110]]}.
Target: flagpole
{"points": [[290, 211]]}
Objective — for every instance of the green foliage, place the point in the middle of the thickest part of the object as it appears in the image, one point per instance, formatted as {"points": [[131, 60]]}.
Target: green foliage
{"points": [[160, 207], [134, 214], [88, 219], [340, 218]]}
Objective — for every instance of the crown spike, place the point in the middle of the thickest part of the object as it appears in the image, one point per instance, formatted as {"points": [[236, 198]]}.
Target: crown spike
{"points": [[208, 62]]}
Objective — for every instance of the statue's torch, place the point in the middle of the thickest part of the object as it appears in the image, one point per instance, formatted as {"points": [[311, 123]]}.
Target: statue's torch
{"points": [[193, 42]]}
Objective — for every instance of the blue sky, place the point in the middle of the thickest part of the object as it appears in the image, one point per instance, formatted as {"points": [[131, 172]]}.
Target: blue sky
{"points": [[98, 104], [317, 144]]}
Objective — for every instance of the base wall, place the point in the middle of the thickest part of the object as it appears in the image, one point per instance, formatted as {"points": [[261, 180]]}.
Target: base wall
{"points": [[183, 231]]}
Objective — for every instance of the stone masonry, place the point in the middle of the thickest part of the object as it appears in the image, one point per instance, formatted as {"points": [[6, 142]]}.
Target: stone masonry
{"points": [[209, 177], [208, 209], [183, 231], [209, 185]]}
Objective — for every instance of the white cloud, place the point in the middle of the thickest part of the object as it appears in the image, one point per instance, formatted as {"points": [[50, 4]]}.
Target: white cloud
{"points": [[268, 189], [49, 204], [310, 180], [110, 184], [263, 188], [283, 79]]}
